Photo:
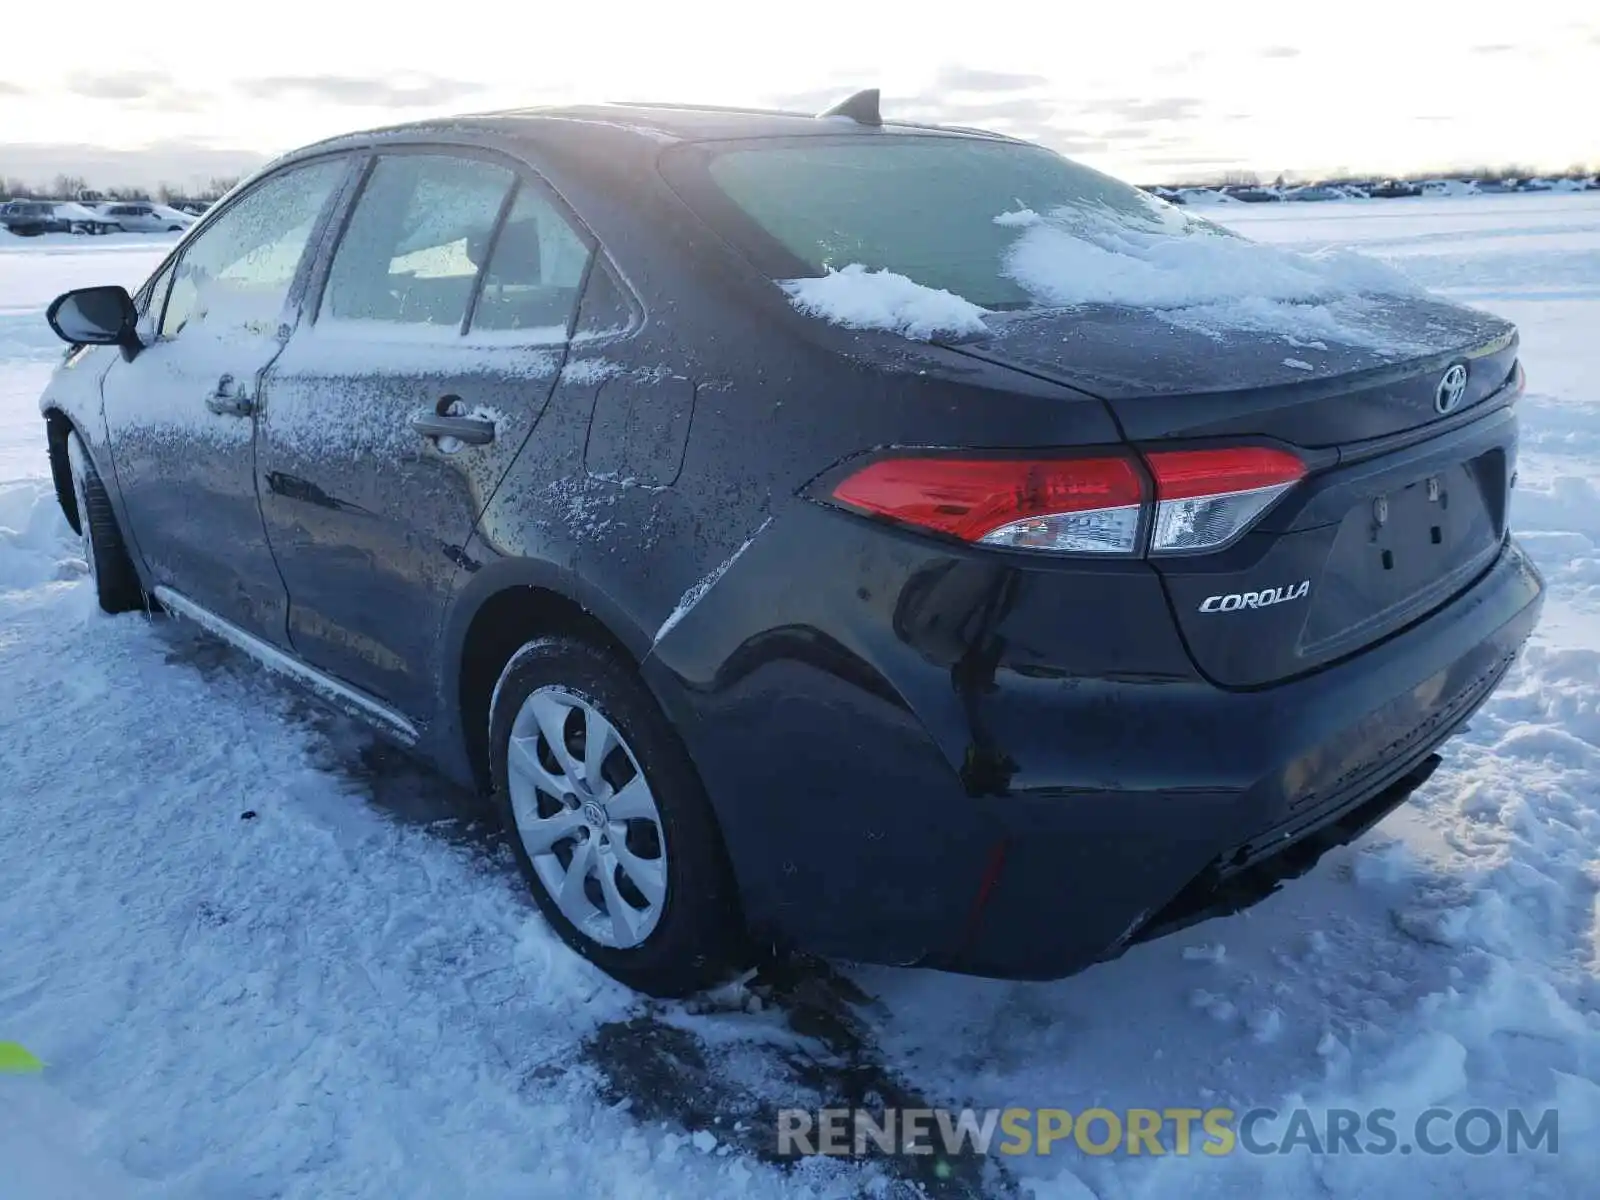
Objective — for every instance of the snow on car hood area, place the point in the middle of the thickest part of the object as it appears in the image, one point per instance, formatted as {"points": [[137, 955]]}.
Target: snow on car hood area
{"points": [[349, 993], [1194, 274]]}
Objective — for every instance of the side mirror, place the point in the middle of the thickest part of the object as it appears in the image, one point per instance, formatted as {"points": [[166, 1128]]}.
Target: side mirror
{"points": [[96, 316]]}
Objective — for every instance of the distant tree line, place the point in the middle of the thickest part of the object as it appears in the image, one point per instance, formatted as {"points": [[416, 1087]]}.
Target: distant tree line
{"points": [[1483, 174], [70, 187]]}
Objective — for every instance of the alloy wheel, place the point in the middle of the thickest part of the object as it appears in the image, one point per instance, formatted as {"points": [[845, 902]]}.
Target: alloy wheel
{"points": [[587, 818]]}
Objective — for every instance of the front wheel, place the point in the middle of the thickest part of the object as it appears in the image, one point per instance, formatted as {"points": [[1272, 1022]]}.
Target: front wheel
{"points": [[116, 584], [609, 821]]}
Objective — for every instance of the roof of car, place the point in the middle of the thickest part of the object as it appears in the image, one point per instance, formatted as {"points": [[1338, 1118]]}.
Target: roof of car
{"points": [[691, 122], [649, 123]]}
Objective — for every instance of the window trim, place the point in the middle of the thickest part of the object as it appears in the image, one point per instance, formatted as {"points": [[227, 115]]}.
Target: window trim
{"points": [[294, 299], [523, 175]]}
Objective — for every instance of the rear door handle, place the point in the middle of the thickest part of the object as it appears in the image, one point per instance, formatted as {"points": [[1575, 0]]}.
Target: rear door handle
{"points": [[473, 431]]}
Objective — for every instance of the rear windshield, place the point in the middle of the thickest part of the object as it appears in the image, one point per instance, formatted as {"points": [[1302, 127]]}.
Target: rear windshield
{"points": [[942, 211]]}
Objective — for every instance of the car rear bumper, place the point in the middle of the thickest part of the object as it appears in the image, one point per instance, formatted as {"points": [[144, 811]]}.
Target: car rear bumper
{"points": [[1316, 762], [914, 792]]}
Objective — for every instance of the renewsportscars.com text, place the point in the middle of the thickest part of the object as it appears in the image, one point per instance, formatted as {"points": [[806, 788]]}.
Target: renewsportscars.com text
{"points": [[1216, 1132]]}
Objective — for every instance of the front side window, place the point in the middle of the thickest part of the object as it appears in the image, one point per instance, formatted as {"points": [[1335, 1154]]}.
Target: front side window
{"points": [[236, 275], [149, 300], [418, 236], [535, 271]]}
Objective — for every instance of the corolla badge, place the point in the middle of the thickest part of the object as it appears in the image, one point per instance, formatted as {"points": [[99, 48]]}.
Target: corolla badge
{"points": [[1234, 601], [1451, 389]]}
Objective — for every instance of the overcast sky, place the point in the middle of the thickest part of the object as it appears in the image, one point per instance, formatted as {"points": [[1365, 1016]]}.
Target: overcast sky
{"points": [[1149, 89]]}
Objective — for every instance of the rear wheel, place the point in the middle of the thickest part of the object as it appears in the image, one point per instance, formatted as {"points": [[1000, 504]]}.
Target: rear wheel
{"points": [[116, 584], [609, 821]]}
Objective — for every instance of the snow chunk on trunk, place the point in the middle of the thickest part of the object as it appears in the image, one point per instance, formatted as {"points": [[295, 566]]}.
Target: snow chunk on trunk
{"points": [[1201, 277], [859, 298], [1076, 258]]}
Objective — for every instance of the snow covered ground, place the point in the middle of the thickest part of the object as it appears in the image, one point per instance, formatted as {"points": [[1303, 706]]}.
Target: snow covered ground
{"points": [[345, 992]]}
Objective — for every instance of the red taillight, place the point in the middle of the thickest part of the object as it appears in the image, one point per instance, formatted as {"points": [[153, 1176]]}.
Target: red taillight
{"points": [[1203, 498], [1088, 505], [1206, 498]]}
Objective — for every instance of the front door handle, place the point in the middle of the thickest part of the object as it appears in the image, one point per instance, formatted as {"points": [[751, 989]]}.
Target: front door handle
{"points": [[472, 431], [229, 401]]}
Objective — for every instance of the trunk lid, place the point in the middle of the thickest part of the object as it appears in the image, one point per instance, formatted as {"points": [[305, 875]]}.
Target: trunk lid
{"points": [[1171, 374], [1404, 504]]}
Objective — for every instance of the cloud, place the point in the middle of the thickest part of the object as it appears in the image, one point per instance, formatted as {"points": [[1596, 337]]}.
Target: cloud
{"points": [[412, 91], [1067, 144], [1279, 52], [1169, 108], [1496, 48], [120, 85], [181, 163], [1185, 64], [1125, 133], [1034, 118], [1183, 168], [12, 89], [971, 79], [143, 89]]}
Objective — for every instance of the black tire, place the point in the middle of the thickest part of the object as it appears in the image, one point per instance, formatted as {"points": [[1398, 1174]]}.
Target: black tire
{"points": [[698, 940], [116, 584]]}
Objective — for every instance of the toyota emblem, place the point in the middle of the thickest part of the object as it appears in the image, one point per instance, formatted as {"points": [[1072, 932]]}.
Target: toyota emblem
{"points": [[1451, 389]]}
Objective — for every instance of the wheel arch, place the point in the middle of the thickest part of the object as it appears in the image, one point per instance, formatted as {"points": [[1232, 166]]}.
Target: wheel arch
{"points": [[58, 427], [506, 605]]}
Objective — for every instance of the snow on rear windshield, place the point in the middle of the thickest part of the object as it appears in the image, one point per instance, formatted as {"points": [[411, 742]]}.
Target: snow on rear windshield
{"points": [[922, 207], [923, 235]]}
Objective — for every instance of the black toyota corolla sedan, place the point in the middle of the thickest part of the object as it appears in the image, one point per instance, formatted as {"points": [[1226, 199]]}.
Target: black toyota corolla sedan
{"points": [[797, 565]]}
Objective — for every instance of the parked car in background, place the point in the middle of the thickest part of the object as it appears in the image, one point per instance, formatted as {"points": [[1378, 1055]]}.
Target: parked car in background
{"points": [[146, 217], [1254, 195], [29, 218], [1315, 192], [996, 651], [82, 218], [1394, 189]]}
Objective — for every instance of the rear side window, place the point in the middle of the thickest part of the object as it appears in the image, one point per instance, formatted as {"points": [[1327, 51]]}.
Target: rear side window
{"points": [[416, 241], [535, 272], [235, 276]]}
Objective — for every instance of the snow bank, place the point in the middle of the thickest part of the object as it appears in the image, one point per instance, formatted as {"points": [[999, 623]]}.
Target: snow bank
{"points": [[36, 543], [858, 298], [41, 1148]]}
